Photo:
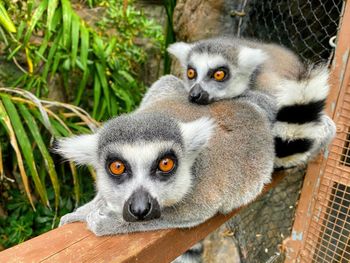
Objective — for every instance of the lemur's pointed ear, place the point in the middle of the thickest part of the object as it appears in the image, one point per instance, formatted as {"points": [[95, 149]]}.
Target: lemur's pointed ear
{"points": [[250, 58], [197, 133], [81, 149], [180, 50]]}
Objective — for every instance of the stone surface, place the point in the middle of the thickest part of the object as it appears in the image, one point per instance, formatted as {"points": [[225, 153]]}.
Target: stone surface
{"points": [[198, 19]]}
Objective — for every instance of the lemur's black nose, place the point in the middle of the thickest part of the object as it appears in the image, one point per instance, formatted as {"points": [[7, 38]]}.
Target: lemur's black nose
{"points": [[141, 206], [198, 95]]}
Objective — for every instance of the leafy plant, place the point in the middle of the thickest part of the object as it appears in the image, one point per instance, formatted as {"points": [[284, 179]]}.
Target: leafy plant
{"points": [[29, 124], [6, 21], [83, 56], [55, 50], [22, 222]]}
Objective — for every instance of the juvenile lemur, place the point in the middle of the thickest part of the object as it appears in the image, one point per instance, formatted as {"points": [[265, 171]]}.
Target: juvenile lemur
{"points": [[172, 163], [223, 68]]}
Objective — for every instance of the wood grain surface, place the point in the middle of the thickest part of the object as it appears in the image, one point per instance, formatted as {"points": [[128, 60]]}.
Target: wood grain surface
{"points": [[74, 243]]}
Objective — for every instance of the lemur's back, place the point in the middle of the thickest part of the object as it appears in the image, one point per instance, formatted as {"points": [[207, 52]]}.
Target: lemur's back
{"points": [[282, 63], [223, 68], [242, 123]]}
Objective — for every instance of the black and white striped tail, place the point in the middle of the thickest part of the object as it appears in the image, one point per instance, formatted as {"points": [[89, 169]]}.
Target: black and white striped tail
{"points": [[302, 129]]}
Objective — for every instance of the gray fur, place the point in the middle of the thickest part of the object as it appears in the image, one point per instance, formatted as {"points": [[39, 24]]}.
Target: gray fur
{"points": [[266, 67], [139, 127], [227, 173], [264, 102], [280, 63]]}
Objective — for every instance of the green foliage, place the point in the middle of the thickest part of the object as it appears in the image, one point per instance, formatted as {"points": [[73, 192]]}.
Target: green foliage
{"points": [[6, 21], [96, 64], [29, 123], [58, 43], [22, 222], [126, 25], [28, 166]]}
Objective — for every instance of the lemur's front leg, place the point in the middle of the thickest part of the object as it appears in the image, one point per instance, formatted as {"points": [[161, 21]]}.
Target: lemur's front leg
{"points": [[82, 212]]}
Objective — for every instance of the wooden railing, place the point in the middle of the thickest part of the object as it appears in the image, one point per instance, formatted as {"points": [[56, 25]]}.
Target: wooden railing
{"points": [[74, 243]]}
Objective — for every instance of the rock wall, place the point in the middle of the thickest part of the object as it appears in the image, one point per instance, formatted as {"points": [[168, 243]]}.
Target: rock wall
{"points": [[199, 19]]}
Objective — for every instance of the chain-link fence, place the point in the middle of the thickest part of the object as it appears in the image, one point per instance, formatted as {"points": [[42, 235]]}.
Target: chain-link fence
{"points": [[306, 26], [309, 27], [261, 227]]}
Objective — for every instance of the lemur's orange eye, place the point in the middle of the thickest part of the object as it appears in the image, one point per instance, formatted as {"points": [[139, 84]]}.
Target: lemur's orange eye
{"points": [[166, 165], [219, 75], [191, 73], [117, 167]]}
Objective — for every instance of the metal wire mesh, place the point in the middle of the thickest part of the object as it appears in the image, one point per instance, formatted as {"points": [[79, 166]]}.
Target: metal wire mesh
{"points": [[305, 26], [261, 227], [328, 236], [308, 27]]}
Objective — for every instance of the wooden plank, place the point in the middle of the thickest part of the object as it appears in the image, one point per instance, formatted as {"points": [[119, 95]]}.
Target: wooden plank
{"points": [[74, 243], [303, 213], [42, 246], [340, 66]]}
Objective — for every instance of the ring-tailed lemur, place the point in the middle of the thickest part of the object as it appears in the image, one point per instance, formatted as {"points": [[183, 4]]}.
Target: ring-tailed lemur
{"points": [[173, 163], [223, 68]]}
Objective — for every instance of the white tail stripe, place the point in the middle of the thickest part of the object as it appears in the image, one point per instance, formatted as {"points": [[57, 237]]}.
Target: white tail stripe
{"points": [[314, 88]]}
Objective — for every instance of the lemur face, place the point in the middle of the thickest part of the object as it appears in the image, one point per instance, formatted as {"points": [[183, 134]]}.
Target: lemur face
{"points": [[216, 69], [209, 77], [143, 161], [142, 177]]}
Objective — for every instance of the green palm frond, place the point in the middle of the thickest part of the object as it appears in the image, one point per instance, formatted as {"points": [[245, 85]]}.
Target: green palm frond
{"points": [[46, 47], [73, 50], [5, 20], [26, 119]]}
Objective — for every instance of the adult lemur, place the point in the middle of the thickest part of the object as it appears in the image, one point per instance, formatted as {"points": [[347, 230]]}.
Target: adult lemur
{"points": [[173, 163], [223, 68]]}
